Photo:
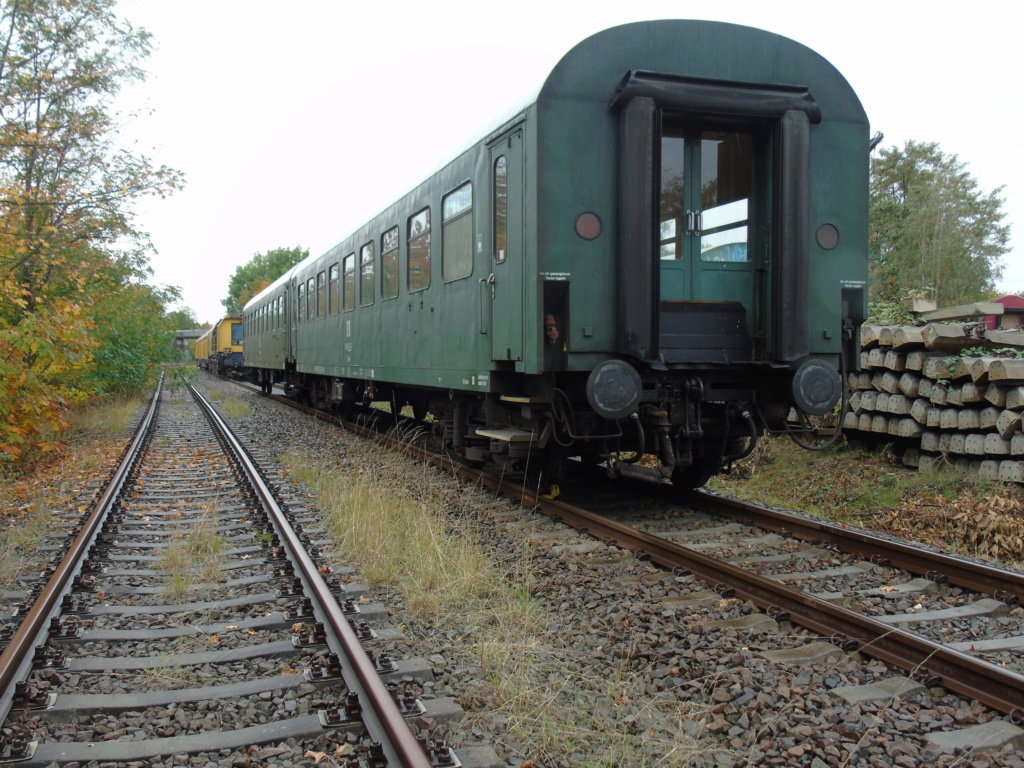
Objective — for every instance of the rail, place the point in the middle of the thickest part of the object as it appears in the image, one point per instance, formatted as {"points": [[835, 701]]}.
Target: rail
{"points": [[16, 659], [383, 719]]}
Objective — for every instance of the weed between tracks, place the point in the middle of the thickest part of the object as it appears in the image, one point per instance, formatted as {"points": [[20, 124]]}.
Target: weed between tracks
{"points": [[419, 537], [193, 554]]}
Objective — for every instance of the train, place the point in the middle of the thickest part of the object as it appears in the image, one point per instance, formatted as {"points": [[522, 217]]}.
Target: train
{"points": [[220, 349], [659, 258]]}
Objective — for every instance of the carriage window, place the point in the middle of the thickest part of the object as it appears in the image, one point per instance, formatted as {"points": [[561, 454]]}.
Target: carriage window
{"points": [[457, 233], [301, 301], [389, 264], [419, 251], [332, 291], [368, 265], [321, 295], [310, 298], [500, 208], [350, 282]]}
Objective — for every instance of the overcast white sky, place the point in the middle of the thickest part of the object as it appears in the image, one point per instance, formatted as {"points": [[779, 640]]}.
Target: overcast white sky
{"points": [[295, 122]]}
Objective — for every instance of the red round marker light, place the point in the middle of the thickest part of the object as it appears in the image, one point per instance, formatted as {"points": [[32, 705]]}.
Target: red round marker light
{"points": [[588, 225]]}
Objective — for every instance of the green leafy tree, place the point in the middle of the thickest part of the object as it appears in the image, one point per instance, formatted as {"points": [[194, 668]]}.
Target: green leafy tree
{"points": [[183, 319], [133, 336], [932, 228], [67, 240], [259, 272]]}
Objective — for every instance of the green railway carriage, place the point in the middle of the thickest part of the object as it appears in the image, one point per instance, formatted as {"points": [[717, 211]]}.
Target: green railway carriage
{"points": [[664, 252]]}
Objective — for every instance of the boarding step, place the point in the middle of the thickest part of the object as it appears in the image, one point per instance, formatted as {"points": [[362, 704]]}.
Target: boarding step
{"points": [[507, 434], [526, 399]]}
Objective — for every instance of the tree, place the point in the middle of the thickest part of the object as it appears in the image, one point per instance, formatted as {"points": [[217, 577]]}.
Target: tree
{"points": [[183, 319], [932, 229], [67, 241], [259, 272]]}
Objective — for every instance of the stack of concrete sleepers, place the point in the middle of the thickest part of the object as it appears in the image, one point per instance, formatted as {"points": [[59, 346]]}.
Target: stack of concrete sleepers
{"points": [[943, 393]]}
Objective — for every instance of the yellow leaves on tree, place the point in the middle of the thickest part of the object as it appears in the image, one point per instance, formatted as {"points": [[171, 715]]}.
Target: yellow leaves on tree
{"points": [[72, 268]]}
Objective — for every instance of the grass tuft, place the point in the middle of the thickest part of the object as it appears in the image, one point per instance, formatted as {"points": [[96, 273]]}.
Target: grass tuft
{"points": [[234, 408], [397, 541], [872, 489], [195, 554], [104, 419]]}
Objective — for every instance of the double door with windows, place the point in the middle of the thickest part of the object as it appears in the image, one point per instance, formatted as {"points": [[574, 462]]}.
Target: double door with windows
{"points": [[709, 191]]}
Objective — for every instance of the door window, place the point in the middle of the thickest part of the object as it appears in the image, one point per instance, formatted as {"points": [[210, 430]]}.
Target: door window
{"points": [[705, 195]]}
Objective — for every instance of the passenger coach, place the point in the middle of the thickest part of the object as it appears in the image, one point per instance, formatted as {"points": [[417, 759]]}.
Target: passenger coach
{"points": [[665, 252]]}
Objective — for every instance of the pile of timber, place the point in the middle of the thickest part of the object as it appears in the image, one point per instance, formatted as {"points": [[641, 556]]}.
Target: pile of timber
{"points": [[944, 393]]}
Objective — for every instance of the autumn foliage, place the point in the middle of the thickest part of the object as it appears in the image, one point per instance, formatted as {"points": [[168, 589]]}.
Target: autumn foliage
{"points": [[76, 317]]}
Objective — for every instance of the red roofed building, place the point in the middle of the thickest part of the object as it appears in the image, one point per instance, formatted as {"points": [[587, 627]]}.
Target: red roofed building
{"points": [[1013, 315]]}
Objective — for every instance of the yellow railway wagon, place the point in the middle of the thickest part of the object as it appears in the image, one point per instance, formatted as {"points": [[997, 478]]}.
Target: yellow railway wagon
{"points": [[225, 352], [203, 350]]}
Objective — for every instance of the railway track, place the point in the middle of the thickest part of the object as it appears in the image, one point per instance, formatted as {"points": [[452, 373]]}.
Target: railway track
{"points": [[942, 620], [193, 613]]}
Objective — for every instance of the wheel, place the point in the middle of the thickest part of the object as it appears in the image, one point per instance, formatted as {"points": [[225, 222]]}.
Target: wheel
{"points": [[697, 474]]}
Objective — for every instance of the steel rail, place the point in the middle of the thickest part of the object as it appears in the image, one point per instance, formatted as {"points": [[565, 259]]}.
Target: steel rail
{"points": [[17, 658], [992, 685], [924, 659], [937, 566], [381, 715]]}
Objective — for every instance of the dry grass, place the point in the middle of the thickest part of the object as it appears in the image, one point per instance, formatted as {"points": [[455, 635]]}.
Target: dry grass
{"points": [[873, 490], [422, 546], [20, 537], [193, 555], [234, 408], [413, 546], [29, 500], [103, 420], [595, 717]]}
